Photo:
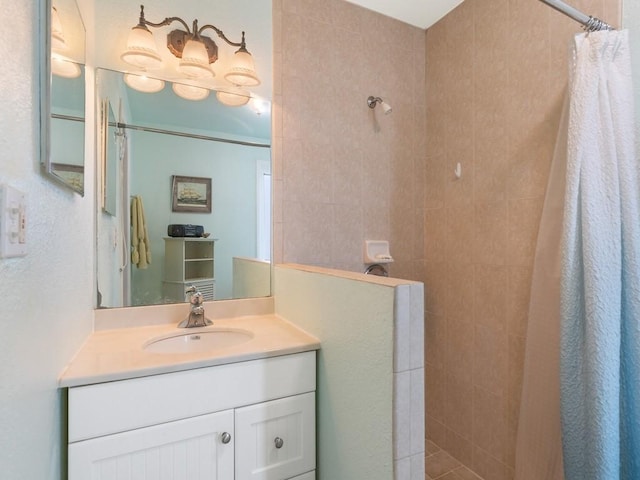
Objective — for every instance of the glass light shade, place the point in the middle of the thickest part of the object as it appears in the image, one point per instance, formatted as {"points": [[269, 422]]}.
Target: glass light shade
{"points": [[189, 92], [58, 42], [141, 49], [142, 83], [63, 67], [233, 96], [195, 60], [243, 71]]}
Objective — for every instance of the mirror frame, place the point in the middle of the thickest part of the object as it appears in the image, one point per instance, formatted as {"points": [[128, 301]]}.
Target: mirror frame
{"points": [[44, 41]]}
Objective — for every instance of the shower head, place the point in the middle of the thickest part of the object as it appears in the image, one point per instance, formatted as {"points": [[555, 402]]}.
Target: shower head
{"points": [[373, 101]]}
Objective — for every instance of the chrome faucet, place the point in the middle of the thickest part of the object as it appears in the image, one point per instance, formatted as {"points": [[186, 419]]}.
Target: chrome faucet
{"points": [[196, 316]]}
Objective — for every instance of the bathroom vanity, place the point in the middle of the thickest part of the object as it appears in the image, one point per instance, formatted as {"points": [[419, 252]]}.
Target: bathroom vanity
{"points": [[240, 412]]}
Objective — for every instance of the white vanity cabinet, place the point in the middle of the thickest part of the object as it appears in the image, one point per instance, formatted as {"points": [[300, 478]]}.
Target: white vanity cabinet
{"points": [[247, 420]]}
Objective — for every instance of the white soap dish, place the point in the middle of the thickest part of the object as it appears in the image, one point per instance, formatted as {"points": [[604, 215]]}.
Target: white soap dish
{"points": [[377, 251]]}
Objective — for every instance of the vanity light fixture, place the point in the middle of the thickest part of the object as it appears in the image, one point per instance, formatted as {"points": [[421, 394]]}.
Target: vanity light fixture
{"points": [[373, 101], [195, 51], [190, 92], [233, 96], [142, 83]]}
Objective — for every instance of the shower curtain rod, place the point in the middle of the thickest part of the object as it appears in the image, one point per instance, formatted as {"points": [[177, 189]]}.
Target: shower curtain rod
{"points": [[589, 23], [189, 135]]}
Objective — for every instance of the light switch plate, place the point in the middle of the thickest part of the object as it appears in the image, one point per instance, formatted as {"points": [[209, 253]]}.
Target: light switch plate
{"points": [[13, 222]]}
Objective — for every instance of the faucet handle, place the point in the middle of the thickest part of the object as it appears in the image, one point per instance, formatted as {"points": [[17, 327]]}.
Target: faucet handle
{"points": [[194, 295], [191, 290]]}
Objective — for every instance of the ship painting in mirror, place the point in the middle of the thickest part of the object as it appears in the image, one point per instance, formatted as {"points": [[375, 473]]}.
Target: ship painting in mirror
{"points": [[190, 194]]}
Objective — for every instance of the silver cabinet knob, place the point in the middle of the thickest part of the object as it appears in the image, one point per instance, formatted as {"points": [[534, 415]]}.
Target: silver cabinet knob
{"points": [[225, 437], [279, 442]]}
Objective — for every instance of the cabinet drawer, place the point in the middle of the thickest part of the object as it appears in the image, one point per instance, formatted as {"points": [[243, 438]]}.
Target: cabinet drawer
{"points": [[276, 440], [190, 449], [106, 408]]}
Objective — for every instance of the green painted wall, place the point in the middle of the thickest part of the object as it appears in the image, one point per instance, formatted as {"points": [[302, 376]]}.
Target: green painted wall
{"points": [[354, 322]]}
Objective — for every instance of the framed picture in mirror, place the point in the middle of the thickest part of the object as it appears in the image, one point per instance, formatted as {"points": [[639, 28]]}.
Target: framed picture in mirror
{"points": [[190, 194]]}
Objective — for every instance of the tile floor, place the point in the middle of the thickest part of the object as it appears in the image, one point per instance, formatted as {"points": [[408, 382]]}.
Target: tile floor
{"points": [[439, 465]]}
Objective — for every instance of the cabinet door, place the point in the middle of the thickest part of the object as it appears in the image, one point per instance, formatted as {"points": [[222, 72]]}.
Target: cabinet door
{"points": [[191, 449], [276, 440]]}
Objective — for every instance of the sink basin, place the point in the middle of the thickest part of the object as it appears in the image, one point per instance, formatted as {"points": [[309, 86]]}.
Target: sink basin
{"points": [[199, 341]]}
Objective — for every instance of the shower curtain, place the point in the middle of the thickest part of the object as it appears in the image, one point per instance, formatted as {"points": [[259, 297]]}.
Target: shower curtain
{"points": [[582, 366], [600, 283]]}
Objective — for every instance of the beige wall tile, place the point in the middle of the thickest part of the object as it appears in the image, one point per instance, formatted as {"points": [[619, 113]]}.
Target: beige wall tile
{"points": [[487, 466], [496, 72], [435, 300], [435, 394], [490, 360], [490, 233], [490, 301], [518, 295], [523, 223], [435, 334], [459, 448], [490, 423], [435, 430], [459, 408]]}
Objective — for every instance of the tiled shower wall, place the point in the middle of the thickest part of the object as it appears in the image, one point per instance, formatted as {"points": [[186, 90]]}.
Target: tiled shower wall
{"points": [[344, 173], [496, 73]]}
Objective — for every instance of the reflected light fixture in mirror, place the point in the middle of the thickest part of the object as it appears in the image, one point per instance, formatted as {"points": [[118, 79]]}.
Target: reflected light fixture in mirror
{"points": [[233, 96], [196, 51], [142, 83], [61, 65], [58, 43], [190, 92]]}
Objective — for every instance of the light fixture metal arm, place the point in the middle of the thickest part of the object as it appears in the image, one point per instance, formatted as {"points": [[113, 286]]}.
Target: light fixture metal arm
{"points": [[167, 21], [221, 34]]}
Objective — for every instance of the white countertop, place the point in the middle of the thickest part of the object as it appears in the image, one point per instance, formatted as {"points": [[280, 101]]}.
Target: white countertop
{"points": [[118, 354]]}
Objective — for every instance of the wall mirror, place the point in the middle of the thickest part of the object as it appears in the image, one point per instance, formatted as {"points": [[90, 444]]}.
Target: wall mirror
{"points": [[205, 148], [62, 101]]}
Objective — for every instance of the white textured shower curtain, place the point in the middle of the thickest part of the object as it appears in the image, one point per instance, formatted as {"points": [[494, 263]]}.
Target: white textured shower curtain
{"points": [[581, 377]]}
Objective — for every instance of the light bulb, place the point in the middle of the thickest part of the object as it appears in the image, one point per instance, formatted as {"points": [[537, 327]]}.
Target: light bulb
{"points": [[243, 70], [233, 96], [195, 60], [141, 49], [190, 92], [64, 67], [142, 83]]}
